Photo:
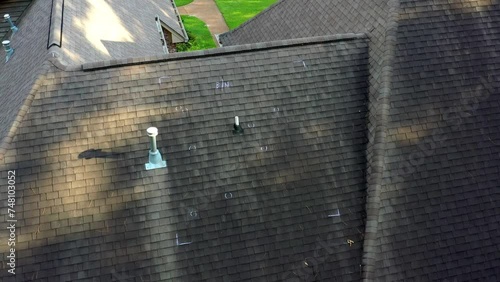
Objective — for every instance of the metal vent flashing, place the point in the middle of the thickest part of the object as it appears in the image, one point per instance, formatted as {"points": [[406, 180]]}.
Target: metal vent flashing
{"points": [[155, 159]]}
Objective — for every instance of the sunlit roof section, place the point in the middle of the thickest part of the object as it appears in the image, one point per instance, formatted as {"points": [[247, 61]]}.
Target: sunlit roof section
{"points": [[94, 30], [100, 22]]}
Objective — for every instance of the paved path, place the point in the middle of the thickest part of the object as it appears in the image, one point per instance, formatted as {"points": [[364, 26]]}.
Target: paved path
{"points": [[207, 11]]}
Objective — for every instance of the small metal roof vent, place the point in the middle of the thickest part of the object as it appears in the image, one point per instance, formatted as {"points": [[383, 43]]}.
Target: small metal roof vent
{"points": [[8, 50], [155, 159], [237, 129], [12, 26]]}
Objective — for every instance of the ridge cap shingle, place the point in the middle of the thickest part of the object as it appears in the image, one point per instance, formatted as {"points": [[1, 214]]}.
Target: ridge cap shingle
{"points": [[222, 51], [378, 140], [56, 24]]}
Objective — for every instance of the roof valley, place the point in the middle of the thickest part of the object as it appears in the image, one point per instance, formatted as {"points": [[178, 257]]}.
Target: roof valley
{"points": [[378, 111]]}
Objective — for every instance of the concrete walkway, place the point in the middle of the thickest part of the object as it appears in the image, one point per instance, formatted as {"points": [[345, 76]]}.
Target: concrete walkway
{"points": [[207, 11]]}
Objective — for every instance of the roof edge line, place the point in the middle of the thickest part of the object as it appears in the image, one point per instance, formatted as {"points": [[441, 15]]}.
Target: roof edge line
{"points": [[184, 32], [376, 163], [222, 51], [7, 140]]}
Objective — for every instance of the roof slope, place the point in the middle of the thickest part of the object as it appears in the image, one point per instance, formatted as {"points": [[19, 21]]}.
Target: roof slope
{"points": [[439, 217], [227, 208], [20, 76], [377, 19], [299, 19], [104, 30], [15, 8], [81, 39], [436, 97]]}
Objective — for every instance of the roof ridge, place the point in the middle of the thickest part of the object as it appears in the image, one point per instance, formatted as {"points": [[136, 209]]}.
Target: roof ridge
{"points": [[56, 24], [41, 76], [222, 51], [375, 162]]}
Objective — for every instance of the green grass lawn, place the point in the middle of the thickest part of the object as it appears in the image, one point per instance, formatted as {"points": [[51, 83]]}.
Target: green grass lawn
{"points": [[236, 12], [179, 3], [199, 35]]}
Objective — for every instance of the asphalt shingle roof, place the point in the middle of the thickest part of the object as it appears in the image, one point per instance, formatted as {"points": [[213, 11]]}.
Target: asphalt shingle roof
{"points": [[79, 40], [439, 219], [104, 30], [20, 77], [377, 19], [433, 122], [299, 19], [16, 9], [228, 207], [388, 138]]}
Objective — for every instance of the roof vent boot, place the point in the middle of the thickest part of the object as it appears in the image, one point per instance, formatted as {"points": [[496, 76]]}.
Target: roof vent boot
{"points": [[12, 26], [237, 129], [155, 159], [8, 50]]}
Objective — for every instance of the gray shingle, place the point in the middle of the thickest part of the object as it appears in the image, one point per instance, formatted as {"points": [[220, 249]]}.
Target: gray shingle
{"points": [[262, 200], [234, 183], [443, 56]]}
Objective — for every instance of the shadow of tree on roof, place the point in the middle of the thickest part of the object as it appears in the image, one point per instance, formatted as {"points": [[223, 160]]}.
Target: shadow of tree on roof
{"points": [[260, 200]]}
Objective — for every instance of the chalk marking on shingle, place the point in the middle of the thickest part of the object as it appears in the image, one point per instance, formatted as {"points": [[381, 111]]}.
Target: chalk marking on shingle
{"points": [[161, 78], [309, 209], [37, 231], [335, 214], [301, 62], [182, 109], [489, 138], [222, 84], [180, 243]]}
